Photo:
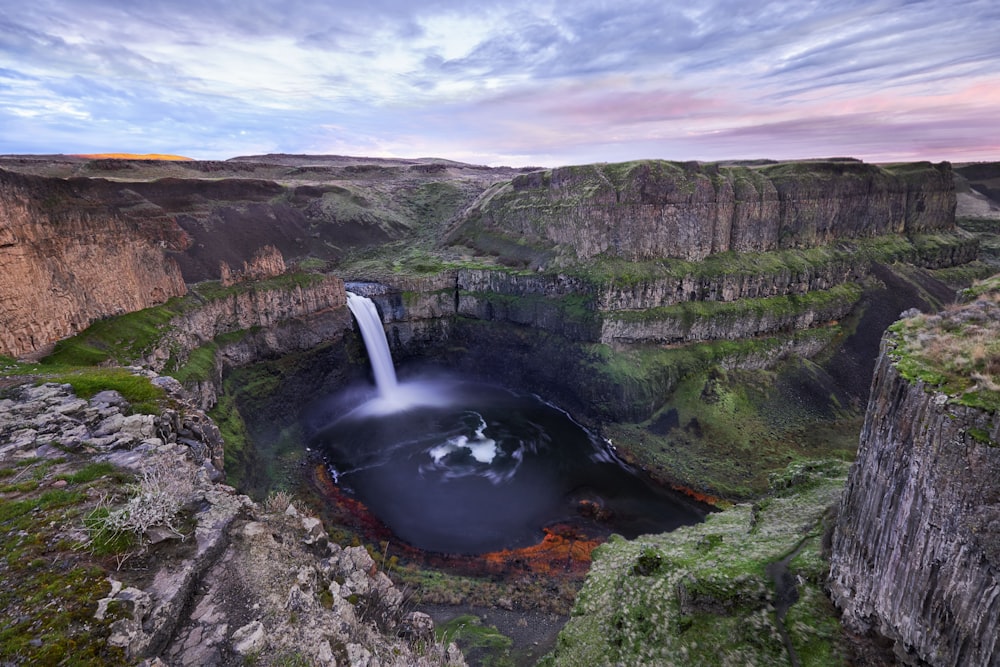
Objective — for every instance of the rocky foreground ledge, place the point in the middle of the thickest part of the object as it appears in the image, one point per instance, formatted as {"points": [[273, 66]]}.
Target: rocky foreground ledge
{"points": [[122, 546]]}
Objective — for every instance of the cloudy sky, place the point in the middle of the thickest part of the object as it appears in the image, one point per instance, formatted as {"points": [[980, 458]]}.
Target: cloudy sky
{"points": [[518, 82]]}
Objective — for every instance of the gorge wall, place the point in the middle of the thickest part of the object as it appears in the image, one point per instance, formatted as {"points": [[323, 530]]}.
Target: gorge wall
{"points": [[916, 553], [66, 261], [249, 324], [654, 209]]}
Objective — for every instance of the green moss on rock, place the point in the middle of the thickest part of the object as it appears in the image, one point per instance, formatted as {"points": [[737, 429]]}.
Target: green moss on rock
{"points": [[715, 607]]}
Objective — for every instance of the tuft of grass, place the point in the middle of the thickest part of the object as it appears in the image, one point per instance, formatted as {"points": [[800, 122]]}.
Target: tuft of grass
{"points": [[90, 472], [200, 364], [956, 351], [121, 339]]}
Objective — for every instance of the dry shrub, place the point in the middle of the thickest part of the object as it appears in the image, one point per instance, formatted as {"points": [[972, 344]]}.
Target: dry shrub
{"points": [[277, 502], [156, 499]]}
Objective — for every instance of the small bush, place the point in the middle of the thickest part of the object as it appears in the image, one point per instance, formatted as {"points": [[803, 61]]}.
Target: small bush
{"points": [[278, 501], [155, 500]]}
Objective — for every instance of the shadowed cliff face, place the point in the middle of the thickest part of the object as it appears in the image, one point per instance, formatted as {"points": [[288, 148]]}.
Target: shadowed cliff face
{"points": [[916, 553], [654, 209], [66, 260]]}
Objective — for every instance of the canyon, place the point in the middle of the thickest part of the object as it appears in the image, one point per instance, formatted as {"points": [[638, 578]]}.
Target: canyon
{"points": [[720, 323]]}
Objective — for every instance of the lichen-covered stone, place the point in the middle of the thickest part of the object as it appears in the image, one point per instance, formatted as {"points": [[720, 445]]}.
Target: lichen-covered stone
{"points": [[700, 595]]}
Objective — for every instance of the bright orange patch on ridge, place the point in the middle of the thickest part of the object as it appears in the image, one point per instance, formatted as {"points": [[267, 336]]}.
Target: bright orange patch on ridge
{"points": [[133, 156]]}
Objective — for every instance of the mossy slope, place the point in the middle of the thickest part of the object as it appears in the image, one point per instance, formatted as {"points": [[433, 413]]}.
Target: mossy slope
{"points": [[701, 595]]}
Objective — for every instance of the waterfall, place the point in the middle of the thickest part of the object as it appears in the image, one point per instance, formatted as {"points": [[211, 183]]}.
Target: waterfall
{"points": [[375, 342]]}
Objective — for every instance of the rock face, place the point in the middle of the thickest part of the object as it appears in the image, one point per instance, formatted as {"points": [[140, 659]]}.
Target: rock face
{"points": [[916, 553], [653, 209], [252, 323], [243, 582], [65, 262], [267, 263]]}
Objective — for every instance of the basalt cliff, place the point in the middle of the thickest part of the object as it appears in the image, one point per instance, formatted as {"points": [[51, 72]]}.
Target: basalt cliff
{"points": [[655, 209], [66, 260], [916, 552], [618, 290]]}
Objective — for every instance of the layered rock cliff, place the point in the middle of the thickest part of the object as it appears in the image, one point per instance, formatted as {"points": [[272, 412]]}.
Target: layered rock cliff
{"points": [[245, 324], [654, 209], [66, 261], [916, 553]]}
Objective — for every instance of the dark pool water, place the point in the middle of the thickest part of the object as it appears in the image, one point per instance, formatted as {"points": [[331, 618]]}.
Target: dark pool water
{"points": [[461, 467]]}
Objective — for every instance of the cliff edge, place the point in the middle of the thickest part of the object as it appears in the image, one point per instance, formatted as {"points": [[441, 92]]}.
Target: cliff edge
{"points": [[66, 261], [916, 551]]}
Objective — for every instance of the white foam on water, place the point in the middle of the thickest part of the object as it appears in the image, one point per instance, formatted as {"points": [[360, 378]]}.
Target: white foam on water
{"points": [[481, 448]]}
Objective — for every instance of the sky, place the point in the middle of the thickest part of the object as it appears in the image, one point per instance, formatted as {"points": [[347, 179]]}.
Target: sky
{"points": [[536, 82]]}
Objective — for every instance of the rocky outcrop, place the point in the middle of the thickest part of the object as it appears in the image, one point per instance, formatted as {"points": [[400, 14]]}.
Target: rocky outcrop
{"points": [[916, 553], [257, 306], [699, 321], [653, 209], [66, 261], [237, 582], [698, 596], [266, 263]]}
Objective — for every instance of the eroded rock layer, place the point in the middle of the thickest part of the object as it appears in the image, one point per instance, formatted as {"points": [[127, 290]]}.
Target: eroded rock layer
{"points": [[65, 263], [916, 554], [650, 209]]}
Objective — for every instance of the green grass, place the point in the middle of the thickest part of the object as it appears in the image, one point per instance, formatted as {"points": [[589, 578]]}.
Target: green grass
{"points": [[139, 391], [92, 471], [126, 339], [237, 451], [121, 339], [835, 299], [733, 430], [636, 381], [214, 290], [489, 645], [51, 585], [956, 351], [200, 364], [106, 542]]}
